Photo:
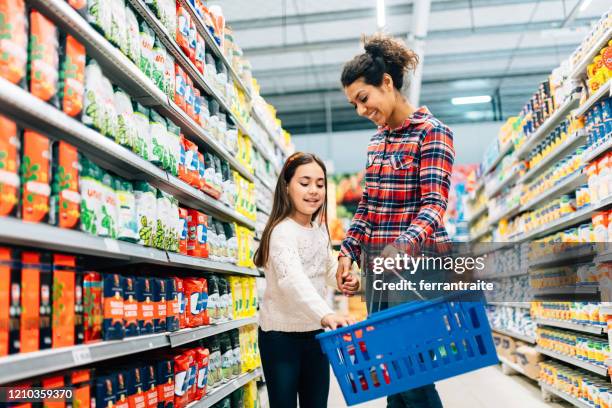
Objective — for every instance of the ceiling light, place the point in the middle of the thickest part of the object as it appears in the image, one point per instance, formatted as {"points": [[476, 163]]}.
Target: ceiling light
{"points": [[585, 4], [469, 100], [380, 13], [475, 115]]}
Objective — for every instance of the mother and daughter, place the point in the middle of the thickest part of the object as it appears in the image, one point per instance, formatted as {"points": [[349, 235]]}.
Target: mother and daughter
{"points": [[409, 162]]}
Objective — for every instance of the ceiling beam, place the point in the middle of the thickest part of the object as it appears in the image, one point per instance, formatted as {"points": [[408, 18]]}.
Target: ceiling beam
{"points": [[367, 12], [433, 34]]}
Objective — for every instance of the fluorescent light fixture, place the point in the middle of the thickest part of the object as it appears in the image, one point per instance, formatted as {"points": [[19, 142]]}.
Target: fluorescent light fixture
{"points": [[470, 100], [380, 13], [585, 4]]}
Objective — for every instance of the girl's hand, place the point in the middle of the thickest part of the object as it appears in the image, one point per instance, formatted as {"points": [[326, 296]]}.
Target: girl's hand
{"points": [[344, 270], [350, 285], [334, 320]]}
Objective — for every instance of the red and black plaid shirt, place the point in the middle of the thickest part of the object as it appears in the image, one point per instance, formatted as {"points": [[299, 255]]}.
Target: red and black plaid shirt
{"points": [[407, 182]]}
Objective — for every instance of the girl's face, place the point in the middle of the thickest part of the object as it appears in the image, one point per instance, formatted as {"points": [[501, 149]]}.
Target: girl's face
{"points": [[372, 102], [307, 189]]}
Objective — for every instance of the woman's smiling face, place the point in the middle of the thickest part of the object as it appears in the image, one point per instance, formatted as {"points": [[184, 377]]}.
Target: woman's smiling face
{"points": [[372, 102]]}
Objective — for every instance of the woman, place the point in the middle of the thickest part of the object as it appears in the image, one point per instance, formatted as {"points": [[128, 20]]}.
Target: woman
{"points": [[295, 252], [409, 164]]}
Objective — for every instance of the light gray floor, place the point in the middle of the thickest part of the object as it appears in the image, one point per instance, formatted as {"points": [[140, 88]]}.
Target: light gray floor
{"points": [[485, 388]]}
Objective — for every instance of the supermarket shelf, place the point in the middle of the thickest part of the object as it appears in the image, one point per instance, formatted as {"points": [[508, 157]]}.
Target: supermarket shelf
{"points": [[505, 183], [567, 290], [602, 148], [482, 210], [571, 219], [502, 153], [472, 196], [511, 274], [189, 335], [520, 305], [480, 234], [522, 337], [585, 328], [506, 214], [549, 124], [579, 70], [569, 145], [563, 258], [20, 366], [264, 182], [127, 75], [603, 371], [572, 400], [571, 183], [604, 91], [218, 393], [16, 232], [512, 365]]}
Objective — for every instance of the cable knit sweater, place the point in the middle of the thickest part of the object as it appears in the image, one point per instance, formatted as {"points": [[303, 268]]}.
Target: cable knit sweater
{"points": [[300, 264]]}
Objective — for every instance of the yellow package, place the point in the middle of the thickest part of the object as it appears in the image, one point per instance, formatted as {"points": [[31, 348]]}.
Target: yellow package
{"points": [[247, 296], [236, 286], [251, 396]]}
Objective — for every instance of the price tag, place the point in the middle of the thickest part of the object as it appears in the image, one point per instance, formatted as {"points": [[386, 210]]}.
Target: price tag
{"points": [[112, 245], [81, 356]]}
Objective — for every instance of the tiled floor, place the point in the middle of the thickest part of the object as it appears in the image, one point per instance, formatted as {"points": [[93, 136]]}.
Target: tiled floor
{"points": [[485, 388]]}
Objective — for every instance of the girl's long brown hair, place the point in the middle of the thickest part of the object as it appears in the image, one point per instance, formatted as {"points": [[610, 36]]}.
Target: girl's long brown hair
{"points": [[283, 207]]}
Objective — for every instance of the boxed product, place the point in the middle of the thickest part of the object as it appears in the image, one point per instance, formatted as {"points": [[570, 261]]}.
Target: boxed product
{"points": [[9, 164], [112, 325], [92, 306], [63, 301], [173, 305], [146, 308], [35, 177], [130, 307], [164, 376], [159, 300], [529, 359]]}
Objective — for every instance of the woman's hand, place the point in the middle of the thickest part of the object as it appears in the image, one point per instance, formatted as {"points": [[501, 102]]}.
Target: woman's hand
{"points": [[335, 320]]}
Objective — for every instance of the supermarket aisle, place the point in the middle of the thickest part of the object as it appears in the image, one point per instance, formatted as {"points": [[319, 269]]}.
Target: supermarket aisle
{"points": [[484, 388]]}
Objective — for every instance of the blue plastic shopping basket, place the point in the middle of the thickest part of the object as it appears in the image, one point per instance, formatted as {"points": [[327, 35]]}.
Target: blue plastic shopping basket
{"points": [[409, 346]]}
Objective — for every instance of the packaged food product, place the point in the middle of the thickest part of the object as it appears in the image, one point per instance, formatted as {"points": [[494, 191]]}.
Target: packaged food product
{"points": [[112, 290], [146, 212], [203, 302], [182, 302], [149, 383], [8, 314], [126, 128], [90, 185], [199, 57], [14, 41], [174, 231], [81, 382], [214, 301], [173, 306], [158, 131], [196, 244], [147, 41], [160, 306], [72, 76], [159, 64], [127, 226], [169, 76], [44, 308], [183, 230], [227, 357], [92, 306], [93, 114], [43, 59], [108, 218], [118, 28], [133, 36], [146, 308], [130, 307], [181, 380], [35, 177], [604, 171], [135, 394], [193, 290], [105, 390], [182, 28], [202, 356], [179, 87], [65, 199], [164, 223], [215, 373], [9, 166], [173, 148], [142, 138], [164, 376], [237, 367], [121, 391], [63, 307]]}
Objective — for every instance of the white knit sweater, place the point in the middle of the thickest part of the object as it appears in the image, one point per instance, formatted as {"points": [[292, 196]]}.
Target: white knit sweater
{"points": [[300, 264]]}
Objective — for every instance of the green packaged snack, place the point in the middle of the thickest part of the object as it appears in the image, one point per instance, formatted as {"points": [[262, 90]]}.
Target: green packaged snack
{"points": [[142, 138], [92, 191], [173, 148], [125, 119], [227, 357], [109, 215], [158, 132], [175, 222], [127, 227], [99, 15], [237, 367], [132, 36], [146, 211], [214, 362], [118, 32], [159, 64], [109, 126], [147, 40], [169, 76], [93, 115], [213, 306], [163, 224]]}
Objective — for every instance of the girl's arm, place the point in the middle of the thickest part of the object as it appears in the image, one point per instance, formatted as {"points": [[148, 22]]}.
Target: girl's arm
{"points": [[292, 280], [437, 157], [331, 267], [351, 244]]}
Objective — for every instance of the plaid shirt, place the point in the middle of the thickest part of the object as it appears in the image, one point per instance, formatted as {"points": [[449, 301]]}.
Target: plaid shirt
{"points": [[407, 183]]}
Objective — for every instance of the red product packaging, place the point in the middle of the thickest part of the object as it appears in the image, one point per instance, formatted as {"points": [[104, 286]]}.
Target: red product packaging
{"points": [[161, 308], [182, 27], [92, 306], [182, 168], [202, 355], [121, 391], [146, 308], [7, 270], [193, 245], [164, 376], [193, 373], [200, 52], [193, 291], [204, 302], [192, 41], [183, 230], [172, 305], [189, 109], [182, 302], [53, 383], [181, 380], [63, 318], [79, 324], [30, 301], [80, 382], [191, 163], [150, 386], [197, 107], [130, 307], [180, 87], [112, 292], [135, 394]]}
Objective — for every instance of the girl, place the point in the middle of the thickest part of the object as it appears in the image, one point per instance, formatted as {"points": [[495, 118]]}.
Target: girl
{"points": [[409, 164], [295, 252]]}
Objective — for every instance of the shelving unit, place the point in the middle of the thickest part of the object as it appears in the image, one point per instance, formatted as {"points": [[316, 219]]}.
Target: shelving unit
{"points": [[218, 393], [599, 370], [574, 401], [505, 214], [25, 365], [580, 69], [599, 150], [503, 184], [570, 183], [503, 152], [482, 210], [518, 336], [568, 290], [562, 258], [584, 328], [604, 91], [521, 305]]}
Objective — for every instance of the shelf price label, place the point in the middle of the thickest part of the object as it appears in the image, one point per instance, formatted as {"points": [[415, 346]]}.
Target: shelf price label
{"points": [[81, 356]]}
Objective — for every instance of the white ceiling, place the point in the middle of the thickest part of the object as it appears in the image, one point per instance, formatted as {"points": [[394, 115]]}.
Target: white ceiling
{"points": [[297, 49]]}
